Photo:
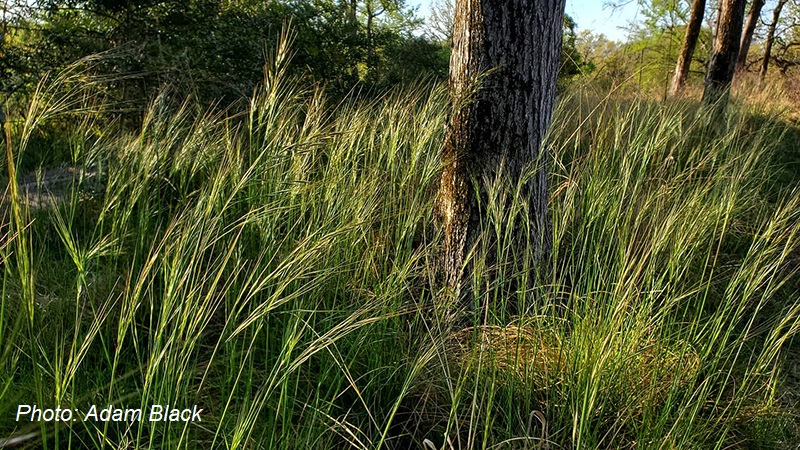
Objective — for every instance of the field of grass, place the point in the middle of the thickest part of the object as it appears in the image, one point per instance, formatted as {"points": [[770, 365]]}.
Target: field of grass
{"points": [[274, 264]]}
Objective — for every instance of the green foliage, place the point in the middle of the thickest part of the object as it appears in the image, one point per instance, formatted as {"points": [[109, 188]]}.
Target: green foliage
{"points": [[403, 59], [655, 56], [215, 50], [660, 14], [645, 64], [572, 62]]}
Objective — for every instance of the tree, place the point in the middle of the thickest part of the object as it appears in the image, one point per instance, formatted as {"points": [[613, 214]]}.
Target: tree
{"points": [[572, 62], [726, 51], [776, 15], [747, 34], [785, 53], [439, 26], [21, 58], [503, 72], [689, 43], [440, 22], [214, 49], [656, 14], [607, 61]]}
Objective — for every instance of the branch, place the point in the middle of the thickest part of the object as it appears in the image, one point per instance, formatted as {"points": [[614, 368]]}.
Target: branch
{"points": [[383, 10], [80, 9], [95, 12]]}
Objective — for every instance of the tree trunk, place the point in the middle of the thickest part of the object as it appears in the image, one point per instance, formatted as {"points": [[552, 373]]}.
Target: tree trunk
{"points": [[747, 36], [351, 13], [503, 72], [689, 44], [4, 28], [370, 16], [776, 14], [715, 29], [726, 51]]}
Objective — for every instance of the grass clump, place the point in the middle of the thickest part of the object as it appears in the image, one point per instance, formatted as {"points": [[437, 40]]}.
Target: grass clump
{"points": [[274, 266]]}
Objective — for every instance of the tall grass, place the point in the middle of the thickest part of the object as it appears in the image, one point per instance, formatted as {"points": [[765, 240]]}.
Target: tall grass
{"points": [[275, 267]]}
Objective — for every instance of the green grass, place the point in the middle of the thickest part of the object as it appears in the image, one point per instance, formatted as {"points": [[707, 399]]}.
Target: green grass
{"points": [[276, 267]]}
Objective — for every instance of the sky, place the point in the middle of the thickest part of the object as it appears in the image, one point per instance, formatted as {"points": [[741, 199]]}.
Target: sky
{"points": [[588, 14], [594, 15]]}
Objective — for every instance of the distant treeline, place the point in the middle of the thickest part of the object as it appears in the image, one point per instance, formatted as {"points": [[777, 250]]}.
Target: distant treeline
{"points": [[216, 49]]}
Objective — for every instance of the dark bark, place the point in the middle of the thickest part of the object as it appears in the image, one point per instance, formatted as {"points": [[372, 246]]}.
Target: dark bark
{"points": [[776, 14], [715, 28], [372, 14], [352, 20], [4, 28], [503, 72], [726, 51], [747, 34], [689, 44], [351, 13]]}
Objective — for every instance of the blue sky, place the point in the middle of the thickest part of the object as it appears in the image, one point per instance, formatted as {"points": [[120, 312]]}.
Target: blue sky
{"points": [[588, 14], [595, 16]]}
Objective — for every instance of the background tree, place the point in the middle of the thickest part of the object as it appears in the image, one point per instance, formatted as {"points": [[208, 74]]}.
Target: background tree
{"points": [[214, 49], [726, 50], [440, 22], [572, 62], [607, 62], [689, 43], [661, 14], [773, 25], [656, 42], [20, 58], [747, 34], [503, 74], [786, 49]]}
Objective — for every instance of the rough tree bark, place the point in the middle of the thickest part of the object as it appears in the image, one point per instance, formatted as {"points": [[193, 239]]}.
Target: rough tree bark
{"points": [[726, 51], [689, 44], [776, 14], [747, 34], [503, 72]]}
